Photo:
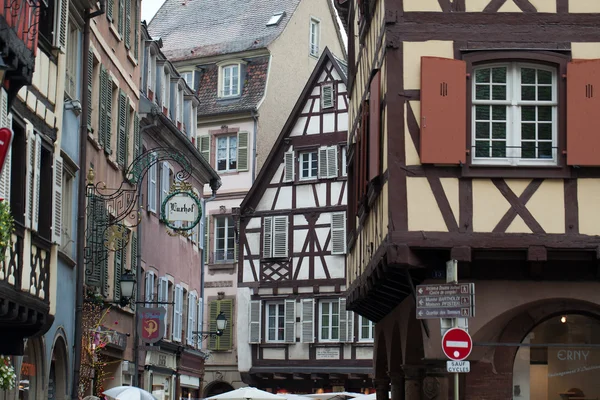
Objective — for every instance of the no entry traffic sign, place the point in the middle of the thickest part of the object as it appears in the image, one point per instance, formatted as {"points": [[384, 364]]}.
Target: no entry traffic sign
{"points": [[457, 344]]}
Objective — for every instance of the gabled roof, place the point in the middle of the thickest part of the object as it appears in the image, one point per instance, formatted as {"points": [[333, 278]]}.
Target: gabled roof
{"points": [[268, 170], [200, 28], [254, 80]]}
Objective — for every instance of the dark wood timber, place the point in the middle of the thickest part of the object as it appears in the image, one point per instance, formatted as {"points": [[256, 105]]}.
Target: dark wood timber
{"points": [[518, 205], [510, 215], [443, 203], [413, 127], [461, 253], [571, 206], [458, 5], [465, 202], [525, 6], [494, 5], [445, 5], [562, 6], [537, 253]]}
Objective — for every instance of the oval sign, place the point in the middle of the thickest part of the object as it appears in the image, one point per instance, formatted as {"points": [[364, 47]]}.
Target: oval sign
{"points": [[180, 207]]}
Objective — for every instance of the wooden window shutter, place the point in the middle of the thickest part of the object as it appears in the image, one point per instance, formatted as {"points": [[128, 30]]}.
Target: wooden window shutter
{"points": [[117, 275], [323, 173], [204, 147], [362, 153], [109, 10], [102, 106], [332, 162], [205, 240], [137, 139], [121, 19], [338, 233], [375, 127], [122, 133], [225, 341], [136, 35], [190, 319], [290, 321], [30, 173], [242, 151], [350, 324], [583, 117], [105, 272], [342, 321], [280, 236], [62, 17], [308, 322], [443, 110], [5, 122], [90, 87], [35, 204], [200, 321], [57, 199], [255, 317], [327, 96], [213, 311], [108, 91], [288, 166], [127, 24], [96, 222], [134, 252], [267, 246]]}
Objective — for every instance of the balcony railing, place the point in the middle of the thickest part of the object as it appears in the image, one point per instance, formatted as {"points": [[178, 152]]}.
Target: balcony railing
{"points": [[38, 275]]}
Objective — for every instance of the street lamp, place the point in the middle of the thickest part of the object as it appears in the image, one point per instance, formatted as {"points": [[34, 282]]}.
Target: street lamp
{"points": [[127, 284], [221, 325]]}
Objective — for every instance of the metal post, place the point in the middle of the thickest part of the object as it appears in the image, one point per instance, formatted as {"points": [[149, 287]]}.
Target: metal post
{"points": [[138, 294], [452, 277]]}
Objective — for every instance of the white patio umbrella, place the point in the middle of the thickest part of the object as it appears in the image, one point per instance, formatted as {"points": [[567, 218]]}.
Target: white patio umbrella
{"points": [[128, 393], [247, 393]]}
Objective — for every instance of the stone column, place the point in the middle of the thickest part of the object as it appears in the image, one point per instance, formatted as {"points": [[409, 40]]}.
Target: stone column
{"points": [[397, 380], [412, 382], [382, 388], [435, 384]]}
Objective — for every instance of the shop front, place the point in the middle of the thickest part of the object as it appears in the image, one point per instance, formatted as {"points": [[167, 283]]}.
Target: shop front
{"points": [[160, 374], [191, 369]]}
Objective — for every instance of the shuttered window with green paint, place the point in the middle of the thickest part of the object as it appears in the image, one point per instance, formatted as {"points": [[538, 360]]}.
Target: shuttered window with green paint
{"points": [[225, 341], [123, 131]]}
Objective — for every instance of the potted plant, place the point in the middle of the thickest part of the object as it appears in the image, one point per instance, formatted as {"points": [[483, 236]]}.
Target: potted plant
{"points": [[7, 374]]}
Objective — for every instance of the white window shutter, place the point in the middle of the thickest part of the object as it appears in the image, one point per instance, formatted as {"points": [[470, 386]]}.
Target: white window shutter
{"points": [[308, 322], [290, 321], [180, 314], [190, 318], [338, 233], [288, 160], [200, 322], [202, 227], [203, 143], [350, 324], [30, 173], [164, 182], [242, 151], [323, 172], [57, 200], [332, 167], [194, 319], [175, 311], [5, 122], [255, 317], [36, 184], [60, 26], [343, 322], [152, 188], [280, 236], [327, 96], [268, 237]]}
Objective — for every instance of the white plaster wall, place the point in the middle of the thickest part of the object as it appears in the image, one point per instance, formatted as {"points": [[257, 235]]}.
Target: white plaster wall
{"points": [[290, 58], [243, 347]]}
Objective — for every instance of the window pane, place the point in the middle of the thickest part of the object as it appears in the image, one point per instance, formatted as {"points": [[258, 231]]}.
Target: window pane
{"points": [[498, 92], [545, 131], [482, 112], [528, 75], [544, 77], [545, 150], [499, 113], [527, 131], [482, 148], [482, 75], [498, 149], [528, 113], [527, 92], [482, 130], [528, 150], [499, 75], [544, 93], [544, 113], [498, 130], [314, 164], [482, 92]]}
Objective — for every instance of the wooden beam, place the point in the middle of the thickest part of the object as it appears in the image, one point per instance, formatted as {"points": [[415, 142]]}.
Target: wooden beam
{"points": [[537, 253], [400, 253], [461, 253], [299, 376]]}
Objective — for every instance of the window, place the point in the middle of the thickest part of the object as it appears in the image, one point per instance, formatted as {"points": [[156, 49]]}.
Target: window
{"points": [[177, 313], [367, 329], [224, 239], [344, 150], [106, 94], [275, 19], [67, 237], [189, 79], [309, 165], [152, 187], [275, 236], [123, 124], [192, 320], [180, 106], [72, 61], [166, 89], [514, 114], [225, 341], [327, 96], [226, 153], [52, 26], [329, 316], [315, 31], [231, 80], [165, 181], [275, 322]]}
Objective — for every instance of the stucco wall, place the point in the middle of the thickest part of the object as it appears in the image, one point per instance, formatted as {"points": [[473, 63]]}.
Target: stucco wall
{"points": [[286, 80]]}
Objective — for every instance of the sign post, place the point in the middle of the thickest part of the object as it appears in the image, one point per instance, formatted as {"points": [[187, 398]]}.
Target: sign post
{"points": [[452, 277]]}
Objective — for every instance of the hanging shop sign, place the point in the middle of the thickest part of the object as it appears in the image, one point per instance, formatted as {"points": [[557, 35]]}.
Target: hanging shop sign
{"points": [[181, 210], [151, 324]]}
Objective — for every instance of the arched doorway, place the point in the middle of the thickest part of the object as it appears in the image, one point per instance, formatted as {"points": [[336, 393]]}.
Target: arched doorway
{"points": [[559, 359], [59, 374], [31, 373], [218, 387]]}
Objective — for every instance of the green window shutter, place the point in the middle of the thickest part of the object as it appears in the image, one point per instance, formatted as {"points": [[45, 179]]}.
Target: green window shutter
{"points": [[122, 132], [109, 10], [136, 36], [127, 23], [90, 87], [224, 342], [213, 311], [108, 116], [137, 140], [206, 250], [127, 130], [134, 252], [204, 147], [121, 20], [94, 243], [118, 271], [102, 105], [242, 151]]}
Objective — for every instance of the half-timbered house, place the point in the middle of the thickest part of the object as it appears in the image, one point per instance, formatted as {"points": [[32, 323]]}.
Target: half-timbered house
{"points": [[473, 138], [297, 335]]}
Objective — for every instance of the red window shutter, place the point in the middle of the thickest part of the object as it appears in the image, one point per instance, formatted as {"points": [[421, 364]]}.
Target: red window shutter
{"points": [[364, 158], [583, 116], [443, 110], [375, 126]]}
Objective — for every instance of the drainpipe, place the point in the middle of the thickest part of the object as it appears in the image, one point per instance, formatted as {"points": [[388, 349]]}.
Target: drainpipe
{"points": [[254, 115], [204, 201], [81, 201]]}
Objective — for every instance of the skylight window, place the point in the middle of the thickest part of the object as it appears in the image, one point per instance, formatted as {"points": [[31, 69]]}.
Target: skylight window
{"points": [[275, 19]]}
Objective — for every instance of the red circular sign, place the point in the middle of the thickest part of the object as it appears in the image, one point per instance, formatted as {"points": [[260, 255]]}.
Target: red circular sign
{"points": [[457, 344]]}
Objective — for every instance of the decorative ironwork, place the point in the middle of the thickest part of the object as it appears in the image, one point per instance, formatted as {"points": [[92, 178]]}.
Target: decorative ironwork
{"points": [[11, 268], [177, 189]]}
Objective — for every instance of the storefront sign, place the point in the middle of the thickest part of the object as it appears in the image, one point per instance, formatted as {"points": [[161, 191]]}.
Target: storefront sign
{"points": [[328, 353], [151, 324], [179, 207]]}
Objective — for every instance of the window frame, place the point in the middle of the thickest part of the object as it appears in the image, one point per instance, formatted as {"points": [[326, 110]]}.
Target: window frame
{"points": [[228, 219], [278, 317], [68, 206], [370, 326], [309, 153], [548, 58], [513, 120], [227, 159], [222, 70], [331, 302], [314, 22]]}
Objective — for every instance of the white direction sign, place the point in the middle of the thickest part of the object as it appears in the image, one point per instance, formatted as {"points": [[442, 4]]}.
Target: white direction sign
{"points": [[458, 366]]}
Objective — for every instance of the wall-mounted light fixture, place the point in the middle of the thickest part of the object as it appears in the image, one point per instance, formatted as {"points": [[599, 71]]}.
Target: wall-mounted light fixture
{"points": [[74, 105]]}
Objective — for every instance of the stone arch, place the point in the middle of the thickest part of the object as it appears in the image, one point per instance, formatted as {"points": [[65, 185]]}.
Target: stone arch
{"points": [[31, 370], [58, 371], [380, 361], [414, 351], [217, 387], [396, 353]]}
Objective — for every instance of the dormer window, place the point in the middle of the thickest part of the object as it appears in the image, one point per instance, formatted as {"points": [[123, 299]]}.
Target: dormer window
{"points": [[275, 18], [166, 89], [230, 83], [189, 79]]}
